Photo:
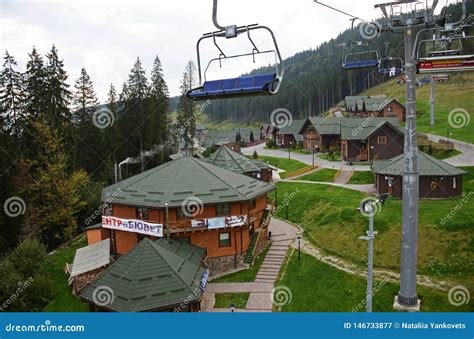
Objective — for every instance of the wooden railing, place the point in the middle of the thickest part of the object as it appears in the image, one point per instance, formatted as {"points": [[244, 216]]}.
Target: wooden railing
{"points": [[338, 173], [264, 226], [302, 171]]}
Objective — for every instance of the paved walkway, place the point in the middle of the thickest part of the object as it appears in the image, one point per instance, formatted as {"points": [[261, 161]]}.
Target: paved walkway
{"points": [[344, 177], [370, 189], [261, 290], [467, 149], [304, 158]]}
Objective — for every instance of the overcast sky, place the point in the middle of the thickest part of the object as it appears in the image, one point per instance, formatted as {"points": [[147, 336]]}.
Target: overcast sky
{"points": [[106, 36]]}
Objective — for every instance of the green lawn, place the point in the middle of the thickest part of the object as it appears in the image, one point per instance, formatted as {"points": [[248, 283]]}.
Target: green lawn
{"points": [[319, 287], [64, 300], [245, 275], [288, 165], [441, 154], [362, 178], [323, 175], [224, 300], [335, 156], [456, 93], [330, 219]]}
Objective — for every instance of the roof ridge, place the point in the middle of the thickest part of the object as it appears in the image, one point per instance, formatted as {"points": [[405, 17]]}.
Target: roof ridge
{"points": [[158, 249], [437, 162]]}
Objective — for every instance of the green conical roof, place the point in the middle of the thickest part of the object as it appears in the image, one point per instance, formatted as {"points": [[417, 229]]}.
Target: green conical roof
{"points": [[182, 179], [233, 161], [427, 166], [153, 275]]}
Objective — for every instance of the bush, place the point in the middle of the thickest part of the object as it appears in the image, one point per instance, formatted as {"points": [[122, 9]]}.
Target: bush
{"points": [[255, 155], [23, 285], [271, 144]]}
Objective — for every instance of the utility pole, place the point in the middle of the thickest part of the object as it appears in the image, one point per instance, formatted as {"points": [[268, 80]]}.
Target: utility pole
{"points": [[407, 295], [432, 102]]}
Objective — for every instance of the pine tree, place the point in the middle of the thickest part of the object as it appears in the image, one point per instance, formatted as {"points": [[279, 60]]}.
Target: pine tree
{"points": [[112, 99], [11, 96], [84, 99], [35, 84], [137, 82], [159, 101], [251, 137], [58, 95], [186, 121]]}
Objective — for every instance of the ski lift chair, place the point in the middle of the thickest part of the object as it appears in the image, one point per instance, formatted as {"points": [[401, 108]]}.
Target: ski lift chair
{"points": [[243, 86], [391, 66], [361, 60]]}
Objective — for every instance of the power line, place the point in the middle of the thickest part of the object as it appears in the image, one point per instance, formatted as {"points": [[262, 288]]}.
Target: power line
{"points": [[339, 11]]}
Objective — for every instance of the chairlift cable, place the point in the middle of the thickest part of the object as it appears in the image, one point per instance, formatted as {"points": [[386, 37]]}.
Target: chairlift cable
{"points": [[340, 11]]}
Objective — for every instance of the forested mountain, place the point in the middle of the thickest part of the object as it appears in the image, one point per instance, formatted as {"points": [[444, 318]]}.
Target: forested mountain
{"points": [[314, 80]]}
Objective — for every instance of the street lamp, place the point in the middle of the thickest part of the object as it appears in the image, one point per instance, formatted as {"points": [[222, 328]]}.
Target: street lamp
{"points": [[232, 308], [167, 221], [286, 209], [369, 207], [289, 150]]}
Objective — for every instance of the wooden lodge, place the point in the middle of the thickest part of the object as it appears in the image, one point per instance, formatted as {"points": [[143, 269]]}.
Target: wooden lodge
{"points": [[438, 180], [289, 135], [375, 106], [358, 139]]}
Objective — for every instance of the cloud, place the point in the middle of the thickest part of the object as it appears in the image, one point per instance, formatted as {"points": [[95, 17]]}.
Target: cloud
{"points": [[107, 36]]}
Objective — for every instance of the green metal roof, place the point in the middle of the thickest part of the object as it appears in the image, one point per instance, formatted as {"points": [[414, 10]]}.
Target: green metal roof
{"points": [[372, 103], [293, 128], [352, 128], [233, 161], [181, 179], [427, 166], [153, 275]]}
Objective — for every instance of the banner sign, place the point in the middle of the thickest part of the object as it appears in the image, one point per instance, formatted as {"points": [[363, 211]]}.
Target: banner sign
{"points": [[132, 225], [220, 222]]}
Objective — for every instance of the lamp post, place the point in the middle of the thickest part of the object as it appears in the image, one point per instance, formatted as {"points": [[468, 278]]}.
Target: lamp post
{"points": [[289, 150], [232, 308], [286, 209], [367, 207], [314, 151]]}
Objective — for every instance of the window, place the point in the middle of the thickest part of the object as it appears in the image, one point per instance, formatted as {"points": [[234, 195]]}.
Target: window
{"points": [[434, 184], [142, 213], [223, 209], [179, 214], [253, 204], [382, 140], [108, 210], [390, 109], [224, 239], [454, 183]]}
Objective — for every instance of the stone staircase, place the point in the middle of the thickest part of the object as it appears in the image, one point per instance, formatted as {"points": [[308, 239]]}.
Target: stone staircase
{"points": [[271, 265], [248, 259]]}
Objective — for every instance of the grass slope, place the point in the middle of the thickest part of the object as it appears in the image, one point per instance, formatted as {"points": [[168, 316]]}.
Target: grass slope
{"points": [[362, 178], [287, 165], [64, 300], [457, 93], [323, 175], [247, 275], [330, 219], [319, 287]]}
